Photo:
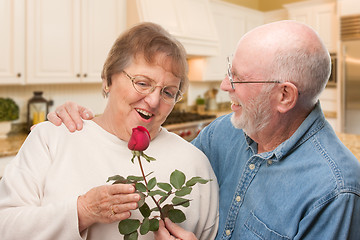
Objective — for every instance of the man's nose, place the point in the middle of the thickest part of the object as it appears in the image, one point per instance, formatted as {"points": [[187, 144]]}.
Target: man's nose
{"points": [[225, 84]]}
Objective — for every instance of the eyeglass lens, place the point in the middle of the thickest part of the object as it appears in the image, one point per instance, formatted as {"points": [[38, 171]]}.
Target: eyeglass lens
{"points": [[145, 85]]}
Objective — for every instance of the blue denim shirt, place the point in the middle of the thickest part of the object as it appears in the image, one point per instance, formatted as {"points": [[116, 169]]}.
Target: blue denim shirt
{"points": [[307, 188]]}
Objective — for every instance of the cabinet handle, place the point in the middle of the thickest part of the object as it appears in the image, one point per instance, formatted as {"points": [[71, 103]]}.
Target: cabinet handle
{"points": [[85, 75], [18, 75], [78, 75]]}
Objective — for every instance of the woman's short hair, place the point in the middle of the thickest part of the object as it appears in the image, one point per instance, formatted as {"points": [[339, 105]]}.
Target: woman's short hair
{"points": [[147, 40]]}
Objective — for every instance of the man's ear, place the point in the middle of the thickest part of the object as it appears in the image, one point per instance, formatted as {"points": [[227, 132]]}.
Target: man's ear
{"points": [[288, 97]]}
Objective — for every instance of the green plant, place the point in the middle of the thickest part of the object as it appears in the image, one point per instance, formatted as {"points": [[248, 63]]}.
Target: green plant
{"points": [[9, 110]]}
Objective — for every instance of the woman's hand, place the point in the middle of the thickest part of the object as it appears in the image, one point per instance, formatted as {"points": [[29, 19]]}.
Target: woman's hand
{"points": [[71, 115], [106, 204], [170, 230]]}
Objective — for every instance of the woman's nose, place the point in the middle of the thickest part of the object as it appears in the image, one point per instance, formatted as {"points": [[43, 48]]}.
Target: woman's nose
{"points": [[154, 98]]}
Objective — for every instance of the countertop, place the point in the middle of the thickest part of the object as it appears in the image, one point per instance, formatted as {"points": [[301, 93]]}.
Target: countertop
{"points": [[11, 145]]}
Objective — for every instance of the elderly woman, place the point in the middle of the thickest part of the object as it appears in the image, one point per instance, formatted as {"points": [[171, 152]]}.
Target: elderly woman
{"points": [[55, 188]]}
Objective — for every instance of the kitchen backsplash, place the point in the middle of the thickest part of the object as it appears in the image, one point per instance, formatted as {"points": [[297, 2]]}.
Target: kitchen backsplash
{"points": [[85, 94]]}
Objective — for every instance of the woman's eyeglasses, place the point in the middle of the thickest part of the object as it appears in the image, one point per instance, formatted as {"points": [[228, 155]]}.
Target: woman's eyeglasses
{"points": [[145, 85]]}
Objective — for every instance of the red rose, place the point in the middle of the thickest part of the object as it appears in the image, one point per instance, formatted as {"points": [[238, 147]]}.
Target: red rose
{"points": [[140, 139]]}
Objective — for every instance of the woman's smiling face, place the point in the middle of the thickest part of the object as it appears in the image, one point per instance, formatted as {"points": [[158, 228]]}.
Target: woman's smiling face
{"points": [[127, 109]]}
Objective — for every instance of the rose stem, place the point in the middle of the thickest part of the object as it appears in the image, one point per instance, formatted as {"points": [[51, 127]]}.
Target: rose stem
{"points": [[157, 204]]}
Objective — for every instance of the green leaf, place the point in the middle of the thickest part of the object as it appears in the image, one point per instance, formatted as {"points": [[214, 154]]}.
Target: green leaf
{"points": [[157, 192], [140, 187], [128, 226], [165, 209], [183, 191], [180, 201], [154, 224], [145, 210], [142, 199], [115, 178], [155, 209], [177, 179], [135, 178], [132, 159], [165, 186], [145, 226], [151, 183], [131, 236], [148, 158], [176, 215], [196, 180]]}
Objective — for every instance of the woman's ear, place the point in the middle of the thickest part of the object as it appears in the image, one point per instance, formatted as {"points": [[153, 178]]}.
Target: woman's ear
{"points": [[105, 88], [288, 97]]}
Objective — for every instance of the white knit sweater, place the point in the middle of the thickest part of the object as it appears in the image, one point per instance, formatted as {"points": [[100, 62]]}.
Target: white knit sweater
{"points": [[39, 189]]}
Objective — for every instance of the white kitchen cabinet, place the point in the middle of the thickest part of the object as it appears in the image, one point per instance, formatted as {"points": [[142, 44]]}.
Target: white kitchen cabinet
{"points": [[348, 7], [68, 40], [12, 41], [190, 21], [232, 22], [319, 14]]}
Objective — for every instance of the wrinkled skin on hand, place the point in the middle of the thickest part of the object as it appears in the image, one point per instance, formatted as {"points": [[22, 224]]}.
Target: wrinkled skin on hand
{"points": [[71, 114], [106, 204]]}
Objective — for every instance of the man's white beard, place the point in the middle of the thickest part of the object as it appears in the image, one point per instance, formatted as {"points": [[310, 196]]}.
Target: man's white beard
{"points": [[255, 114]]}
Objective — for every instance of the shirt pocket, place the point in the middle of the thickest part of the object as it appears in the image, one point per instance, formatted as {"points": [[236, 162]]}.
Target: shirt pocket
{"points": [[256, 229]]}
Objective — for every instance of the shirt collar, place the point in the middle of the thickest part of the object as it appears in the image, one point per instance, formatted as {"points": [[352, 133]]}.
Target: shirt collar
{"points": [[311, 125]]}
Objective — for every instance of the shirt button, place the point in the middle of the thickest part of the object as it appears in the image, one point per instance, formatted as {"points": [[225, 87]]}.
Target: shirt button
{"points": [[252, 166], [228, 232], [238, 198], [269, 162]]}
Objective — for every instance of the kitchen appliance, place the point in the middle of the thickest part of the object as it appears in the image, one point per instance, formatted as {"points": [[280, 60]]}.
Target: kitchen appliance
{"points": [[350, 36], [187, 124]]}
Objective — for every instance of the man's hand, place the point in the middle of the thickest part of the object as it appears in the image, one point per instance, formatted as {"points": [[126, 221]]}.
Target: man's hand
{"points": [[170, 230], [71, 115]]}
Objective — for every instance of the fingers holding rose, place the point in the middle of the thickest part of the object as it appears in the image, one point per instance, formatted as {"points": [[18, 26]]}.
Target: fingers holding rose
{"points": [[106, 204]]}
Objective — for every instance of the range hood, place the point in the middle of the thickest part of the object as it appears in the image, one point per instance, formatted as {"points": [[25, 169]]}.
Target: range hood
{"points": [[190, 21]]}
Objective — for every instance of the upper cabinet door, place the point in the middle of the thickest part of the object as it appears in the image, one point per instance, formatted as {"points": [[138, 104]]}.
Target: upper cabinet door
{"points": [[102, 23], [12, 41], [53, 41], [68, 40], [321, 16]]}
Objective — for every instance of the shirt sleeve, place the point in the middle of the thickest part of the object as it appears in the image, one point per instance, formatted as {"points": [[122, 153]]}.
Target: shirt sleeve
{"points": [[23, 214], [338, 218]]}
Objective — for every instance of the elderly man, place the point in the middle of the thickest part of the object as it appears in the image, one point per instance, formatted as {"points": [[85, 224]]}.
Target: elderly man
{"points": [[282, 172]]}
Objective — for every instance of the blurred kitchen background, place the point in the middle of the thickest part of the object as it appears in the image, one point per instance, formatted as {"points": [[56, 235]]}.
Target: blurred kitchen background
{"points": [[58, 47]]}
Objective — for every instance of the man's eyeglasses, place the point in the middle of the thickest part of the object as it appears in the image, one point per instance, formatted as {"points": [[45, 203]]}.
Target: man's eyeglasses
{"points": [[230, 76], [145, 85]]}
